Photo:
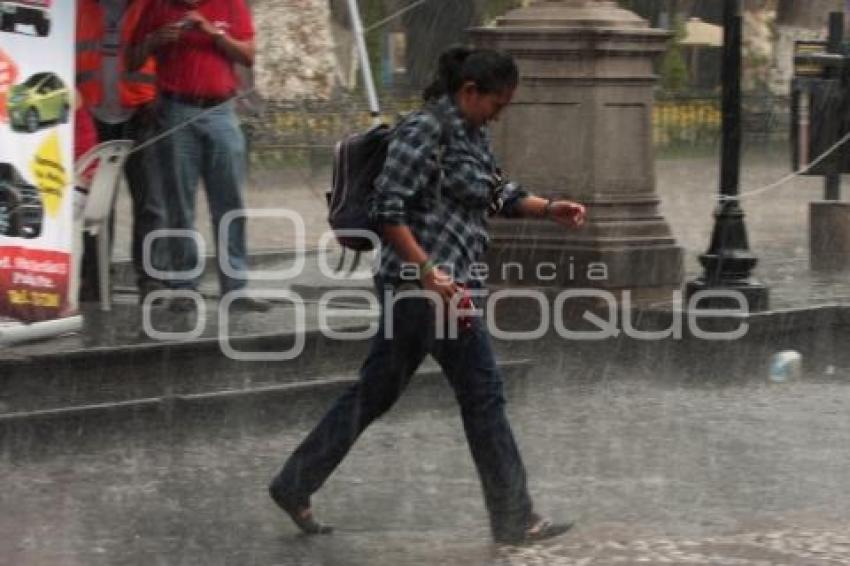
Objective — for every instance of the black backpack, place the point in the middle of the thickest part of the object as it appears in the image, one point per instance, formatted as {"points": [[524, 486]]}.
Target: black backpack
{"points": [[358, 160]]}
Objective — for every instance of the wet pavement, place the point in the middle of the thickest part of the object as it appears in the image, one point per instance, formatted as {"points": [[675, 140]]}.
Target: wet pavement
{"points": [[777, 222], [653, 472], [655, 464]]}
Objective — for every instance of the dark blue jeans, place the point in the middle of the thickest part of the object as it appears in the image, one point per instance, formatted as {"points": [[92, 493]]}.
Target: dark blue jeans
{"points": [[470, 367]]}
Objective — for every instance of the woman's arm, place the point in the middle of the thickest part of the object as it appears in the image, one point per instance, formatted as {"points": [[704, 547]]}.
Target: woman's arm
{"points": [[408, 249], [408, 170], [565, 212]]}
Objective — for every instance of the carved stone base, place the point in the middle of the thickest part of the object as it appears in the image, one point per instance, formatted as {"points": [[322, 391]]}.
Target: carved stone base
{"points": [[551, 256]]}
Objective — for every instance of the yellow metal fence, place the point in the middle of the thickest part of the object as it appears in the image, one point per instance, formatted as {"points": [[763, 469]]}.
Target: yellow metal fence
{"points": [[679, 121]]}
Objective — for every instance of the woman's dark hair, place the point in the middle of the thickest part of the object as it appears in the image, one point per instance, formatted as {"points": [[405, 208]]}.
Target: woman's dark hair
{"points": [[491, 71]]}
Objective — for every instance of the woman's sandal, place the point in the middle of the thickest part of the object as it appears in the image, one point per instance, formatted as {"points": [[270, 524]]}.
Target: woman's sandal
{"points": [[541, 529], [302, 516]]}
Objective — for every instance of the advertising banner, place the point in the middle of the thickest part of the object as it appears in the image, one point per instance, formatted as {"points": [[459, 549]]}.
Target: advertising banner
{"points": [[36, 157]]}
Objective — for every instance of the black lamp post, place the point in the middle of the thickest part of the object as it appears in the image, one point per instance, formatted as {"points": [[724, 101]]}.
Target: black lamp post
{"points": [[832, 179], [728, 262]]}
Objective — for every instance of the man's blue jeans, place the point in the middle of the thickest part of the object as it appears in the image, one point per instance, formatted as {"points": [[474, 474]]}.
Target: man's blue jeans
{"points": [[470, 367], [211, 149]]}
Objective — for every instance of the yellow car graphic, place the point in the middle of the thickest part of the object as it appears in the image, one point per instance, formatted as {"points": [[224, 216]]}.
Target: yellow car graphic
{"points": [[42, 98]]}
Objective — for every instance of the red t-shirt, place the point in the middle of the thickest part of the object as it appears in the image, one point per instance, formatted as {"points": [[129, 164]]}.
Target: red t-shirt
{"points": [[193, 65]]}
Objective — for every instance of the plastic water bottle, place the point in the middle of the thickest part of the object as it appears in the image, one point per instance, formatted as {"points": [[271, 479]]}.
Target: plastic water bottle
{"points": [[786, 365]]}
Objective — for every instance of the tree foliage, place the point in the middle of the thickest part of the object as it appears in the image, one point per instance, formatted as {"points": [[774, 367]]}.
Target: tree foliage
{"points": [[674, 70]]}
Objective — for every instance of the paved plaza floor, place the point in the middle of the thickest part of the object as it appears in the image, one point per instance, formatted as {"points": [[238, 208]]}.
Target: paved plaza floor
{"points": [[653, 472], [655, 466]]}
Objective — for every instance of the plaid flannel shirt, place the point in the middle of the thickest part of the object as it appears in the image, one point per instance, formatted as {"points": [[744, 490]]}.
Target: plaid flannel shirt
{"points": [[440, 185]]}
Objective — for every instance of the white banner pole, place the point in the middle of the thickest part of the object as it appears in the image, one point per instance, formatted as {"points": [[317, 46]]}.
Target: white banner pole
{"points": [[365, 66]]}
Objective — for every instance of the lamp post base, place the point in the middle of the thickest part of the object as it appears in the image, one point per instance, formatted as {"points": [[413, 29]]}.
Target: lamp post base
{"points": [[729, 295]]}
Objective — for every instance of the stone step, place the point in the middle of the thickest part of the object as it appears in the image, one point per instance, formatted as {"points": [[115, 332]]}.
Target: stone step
{"points": [[131, 419], [132, 353], [272, 262], [149, 369]]}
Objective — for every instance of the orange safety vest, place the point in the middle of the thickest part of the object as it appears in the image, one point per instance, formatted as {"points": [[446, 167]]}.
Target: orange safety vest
{"points": [[136, 87], [90, 29]]}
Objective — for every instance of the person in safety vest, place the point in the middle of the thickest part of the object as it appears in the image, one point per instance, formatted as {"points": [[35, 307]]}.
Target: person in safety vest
{"points": [[122, 104]]}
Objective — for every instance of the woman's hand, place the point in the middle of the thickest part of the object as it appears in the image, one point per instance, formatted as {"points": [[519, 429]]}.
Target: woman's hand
{"points": [[438, 281], [567, 213]]}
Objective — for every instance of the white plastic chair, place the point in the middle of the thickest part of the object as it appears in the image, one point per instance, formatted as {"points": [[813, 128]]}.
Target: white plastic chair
{"points": [[110, 157]]}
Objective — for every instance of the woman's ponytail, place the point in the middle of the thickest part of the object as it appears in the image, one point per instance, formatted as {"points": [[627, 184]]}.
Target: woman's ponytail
{"points": [[491, 71], [449, 74]]}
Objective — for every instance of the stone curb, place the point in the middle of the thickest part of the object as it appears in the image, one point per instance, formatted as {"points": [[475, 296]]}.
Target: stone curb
{"points": [[35, 432]]}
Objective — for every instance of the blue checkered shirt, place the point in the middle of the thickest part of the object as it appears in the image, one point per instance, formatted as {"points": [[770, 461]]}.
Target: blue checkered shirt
{"points": [[447, 212]]}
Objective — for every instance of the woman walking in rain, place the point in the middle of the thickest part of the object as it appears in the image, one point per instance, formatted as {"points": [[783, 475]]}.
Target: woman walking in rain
{"points": [[432, 199]]}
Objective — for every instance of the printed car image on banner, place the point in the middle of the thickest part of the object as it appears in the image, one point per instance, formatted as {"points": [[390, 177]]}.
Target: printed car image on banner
{"points": [[36, 157]]}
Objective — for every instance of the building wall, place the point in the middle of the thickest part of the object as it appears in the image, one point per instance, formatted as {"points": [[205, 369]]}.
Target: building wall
{"points": [[295, 49], [306, 48]]}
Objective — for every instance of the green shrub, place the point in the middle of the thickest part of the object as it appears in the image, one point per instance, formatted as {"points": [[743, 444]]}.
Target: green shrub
{"points": [[674, 70]]}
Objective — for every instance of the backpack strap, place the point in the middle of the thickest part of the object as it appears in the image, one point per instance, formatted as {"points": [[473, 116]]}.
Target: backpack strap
{"points": [[445, 133], [443, 120]]}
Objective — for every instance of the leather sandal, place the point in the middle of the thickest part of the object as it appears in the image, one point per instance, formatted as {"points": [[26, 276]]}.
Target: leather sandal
{"points": [[302, 515], [538, 529], [541, 528]]}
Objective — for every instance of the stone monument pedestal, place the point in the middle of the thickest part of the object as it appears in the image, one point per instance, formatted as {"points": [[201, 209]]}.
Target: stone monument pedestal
{"points": [[580, 127]]}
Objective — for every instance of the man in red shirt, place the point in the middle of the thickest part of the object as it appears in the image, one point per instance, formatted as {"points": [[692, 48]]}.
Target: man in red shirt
{"points": [[196, 44]]}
